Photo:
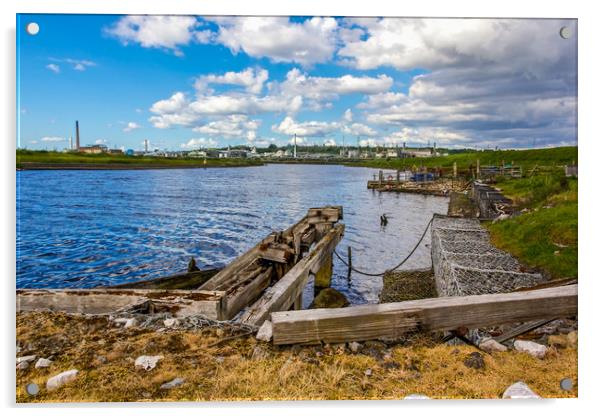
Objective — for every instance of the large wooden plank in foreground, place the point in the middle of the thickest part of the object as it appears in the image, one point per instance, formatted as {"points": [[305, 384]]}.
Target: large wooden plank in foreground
{"points": [[285, 292], [105, 301], [359, 323]]}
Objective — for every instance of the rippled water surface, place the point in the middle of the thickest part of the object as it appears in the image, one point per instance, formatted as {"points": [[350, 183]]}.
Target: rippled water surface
{"points": [[89, 228]]}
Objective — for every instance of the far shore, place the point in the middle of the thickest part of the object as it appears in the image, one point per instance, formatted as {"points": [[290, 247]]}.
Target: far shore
{"points": [[121, 166]]}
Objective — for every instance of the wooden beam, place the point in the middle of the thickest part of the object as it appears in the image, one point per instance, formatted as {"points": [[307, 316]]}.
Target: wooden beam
{"points": [[390, 320], [283, 294], [105, 301], [243, 295]]}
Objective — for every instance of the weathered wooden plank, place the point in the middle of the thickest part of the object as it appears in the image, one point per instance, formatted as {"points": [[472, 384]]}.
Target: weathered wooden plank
{"points": [[280, 253], [283, 294], [245, 294], [519, 330], [326, 212], [390, 320], [105, 301], [185, 281]]}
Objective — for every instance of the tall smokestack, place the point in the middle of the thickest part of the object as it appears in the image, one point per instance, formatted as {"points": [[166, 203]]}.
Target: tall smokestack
{"points": [[76, 135], [145, 145]]}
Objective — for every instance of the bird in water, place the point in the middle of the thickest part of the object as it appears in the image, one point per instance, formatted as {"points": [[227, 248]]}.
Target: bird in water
{"points": [[384, 220]]}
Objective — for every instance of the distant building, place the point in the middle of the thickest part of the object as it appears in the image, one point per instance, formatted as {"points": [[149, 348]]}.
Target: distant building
{"points": [[197, 153], [115, 151], [94, 149]]}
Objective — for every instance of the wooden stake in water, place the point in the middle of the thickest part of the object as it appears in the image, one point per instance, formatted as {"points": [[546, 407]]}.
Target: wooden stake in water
{"points": [[349, 262]]}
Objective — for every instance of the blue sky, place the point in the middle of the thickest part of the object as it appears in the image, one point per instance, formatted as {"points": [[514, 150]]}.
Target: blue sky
{"points": [[185, 82]]}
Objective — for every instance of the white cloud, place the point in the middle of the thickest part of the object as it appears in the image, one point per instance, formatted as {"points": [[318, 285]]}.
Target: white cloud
{"points": [[76, 64], [348, 116], [198, 143], [278, 38], [252, 79], [164, 32], [101, 141], [320, 89], [289, 127], [330, 143], [233, 126], [406, 44], [358, 129], [383, 100], [53, 139], [131, 126], [54, 68]]}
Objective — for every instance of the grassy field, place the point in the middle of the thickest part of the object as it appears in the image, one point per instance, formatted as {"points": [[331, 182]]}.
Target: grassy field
{"points": [[44, 157], [233, 370], [527, 159], [545, 235]]}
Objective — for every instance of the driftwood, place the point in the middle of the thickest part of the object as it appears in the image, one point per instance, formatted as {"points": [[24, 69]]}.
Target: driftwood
{"points": [[391, 320]]}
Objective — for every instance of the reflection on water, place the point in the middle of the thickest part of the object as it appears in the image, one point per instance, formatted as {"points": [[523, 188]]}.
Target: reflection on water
{"points": [[89, 228]]}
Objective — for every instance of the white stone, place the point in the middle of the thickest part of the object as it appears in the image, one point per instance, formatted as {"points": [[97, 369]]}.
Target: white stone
{"points": [[173, 383], [26, 358], [170, 322], [265, 332], [491, 345], [519, 391], [368, 372], [61, 379], [532, 348], [501, 217], [23, 365], [130, 323], [354, 346], [416, 397], [43, 363], [147, 362]]}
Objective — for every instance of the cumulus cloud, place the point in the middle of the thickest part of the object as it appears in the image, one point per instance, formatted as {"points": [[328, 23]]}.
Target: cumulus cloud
{"points": [[199, 143], [233, 126], [278, 38], [252, 79], [359, 129], [54, 68], [131, 126], [163, 32], [330, 143], [289, 127], [320, 88], [348, 115]]}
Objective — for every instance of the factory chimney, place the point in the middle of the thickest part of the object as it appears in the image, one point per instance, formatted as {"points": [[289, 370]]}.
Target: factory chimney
{"points": [[145, 145], [76, 135]]}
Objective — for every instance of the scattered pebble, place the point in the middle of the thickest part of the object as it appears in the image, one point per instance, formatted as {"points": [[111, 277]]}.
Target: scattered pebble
{"points": [[491, 345], [368, 372], [147, 362], [26, 358], [23, 365], [61, 379], [173, 383], [355, 346], [519, 391], [532, 348], [170, 322], [43, 363], [416, 397], [474, 360]]}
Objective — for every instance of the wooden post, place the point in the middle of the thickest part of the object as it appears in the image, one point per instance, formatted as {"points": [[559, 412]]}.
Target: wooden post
{"points": [[455, 170], [323, 276], [397, 176], [350, 264], [478, 169], [380, 177]]}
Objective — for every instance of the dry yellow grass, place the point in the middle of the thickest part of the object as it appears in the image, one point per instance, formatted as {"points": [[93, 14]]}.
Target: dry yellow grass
{"points": [[422, 367]]}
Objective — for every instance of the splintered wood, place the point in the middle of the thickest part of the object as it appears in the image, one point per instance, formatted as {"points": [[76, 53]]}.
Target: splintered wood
{"points": [[276, 256]]}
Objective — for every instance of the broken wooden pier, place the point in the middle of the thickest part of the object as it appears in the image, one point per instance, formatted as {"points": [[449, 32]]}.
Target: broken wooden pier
{"points": [[269, 277]]}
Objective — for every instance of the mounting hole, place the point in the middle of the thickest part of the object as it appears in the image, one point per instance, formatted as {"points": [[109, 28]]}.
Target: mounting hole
{"points": [[32, 389], [32, 28], [566, 384], [565, 32]]}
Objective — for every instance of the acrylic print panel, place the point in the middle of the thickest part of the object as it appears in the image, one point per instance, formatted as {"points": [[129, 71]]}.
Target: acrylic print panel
{"points": [[316, 208]]}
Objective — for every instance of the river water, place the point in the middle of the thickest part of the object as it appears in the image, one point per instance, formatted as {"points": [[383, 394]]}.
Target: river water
{"points": [[81, 229]]}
